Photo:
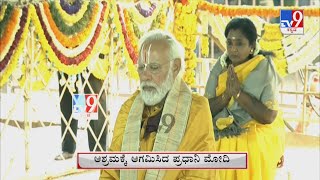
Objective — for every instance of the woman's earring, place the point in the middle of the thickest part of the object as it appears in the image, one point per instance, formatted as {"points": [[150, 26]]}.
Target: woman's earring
{"points": [[251, 51]]}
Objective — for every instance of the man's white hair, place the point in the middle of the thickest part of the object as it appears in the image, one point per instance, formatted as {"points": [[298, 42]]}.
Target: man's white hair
{"points": [[176, 50]]}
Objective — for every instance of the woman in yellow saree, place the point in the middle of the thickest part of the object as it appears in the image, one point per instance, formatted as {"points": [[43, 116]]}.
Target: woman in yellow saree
{"points": [[242, 92]]}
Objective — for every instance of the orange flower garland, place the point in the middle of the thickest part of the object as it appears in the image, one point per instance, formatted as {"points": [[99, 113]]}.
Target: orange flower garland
{"points": [[117, 23], [129, 27], [72, 41], [11, 29], [63, 63], [6, 73], [71, 52], [251, 11], [71, 19]]}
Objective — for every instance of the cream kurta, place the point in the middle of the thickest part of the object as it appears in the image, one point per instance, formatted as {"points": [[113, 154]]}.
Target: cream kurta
{"points": [[198, 137]]}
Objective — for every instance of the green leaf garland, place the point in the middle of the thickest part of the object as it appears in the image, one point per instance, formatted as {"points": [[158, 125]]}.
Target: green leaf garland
{"points": [[6, 19], [77, 27]]}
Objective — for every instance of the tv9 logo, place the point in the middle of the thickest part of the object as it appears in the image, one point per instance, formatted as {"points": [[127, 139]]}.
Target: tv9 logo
{"points": [[291, 22], [85, 106]]}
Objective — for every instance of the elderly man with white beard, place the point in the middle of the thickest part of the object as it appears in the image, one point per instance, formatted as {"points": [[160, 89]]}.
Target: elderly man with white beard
{"points": [[164, 115]]}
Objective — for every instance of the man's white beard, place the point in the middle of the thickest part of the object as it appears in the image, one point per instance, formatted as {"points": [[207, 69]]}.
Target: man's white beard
{"points": [[155, 96]]}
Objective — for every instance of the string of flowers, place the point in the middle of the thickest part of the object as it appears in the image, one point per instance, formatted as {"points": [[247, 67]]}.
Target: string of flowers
{"points": [[130, 31], [71, 19], [140, 19], [185, 28], [161, 19], [11, 59], [89, 33], [130, 40], [9, 31], [204, 45], [76, 27], [6, 15], [116, 19], [271, 41], [63, 63], [156, 21], [148, 12], [251, 11], [139, 23], [71, 8], [3, 11], [69, 41]]}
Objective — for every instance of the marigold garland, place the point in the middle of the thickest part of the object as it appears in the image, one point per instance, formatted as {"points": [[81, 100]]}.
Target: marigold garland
{"points": [[3, 11], [71, 19], [132, 48], [204, 46], [64, 64], [9, 32], [146, 13], [161, 19], [251, 11], [185, 29], [62, 55], [117, 20], [130, 31], [89, 35], [6, 14], [137, 18], [76, 27], [71, 7], [19, 43], [76, 39], [158, 21], [271, 41]]}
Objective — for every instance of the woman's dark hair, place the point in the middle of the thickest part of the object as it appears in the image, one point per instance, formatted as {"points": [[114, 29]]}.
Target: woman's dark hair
{"points": [[248, 29]]}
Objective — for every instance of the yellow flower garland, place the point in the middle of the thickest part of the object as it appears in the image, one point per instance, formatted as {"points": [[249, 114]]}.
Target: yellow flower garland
{"points": [[2, 11], [185, 29], [204, 46], [276, 45], [139, 19], [85, 36], [17, 53], [72, 19], [250, 11], [161, 19], [132, 71], [65, 40], [271, 41], [71, 69], [132, 36]]}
